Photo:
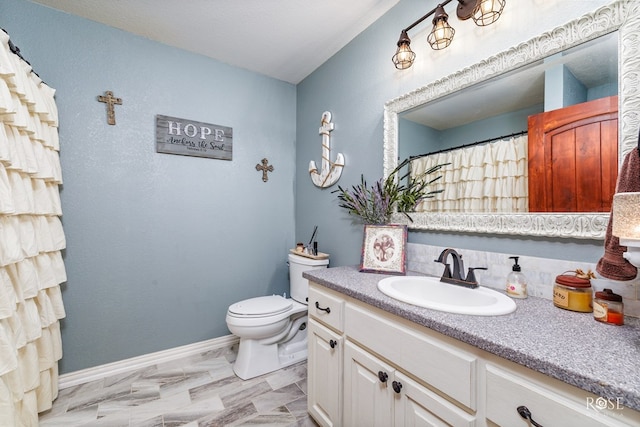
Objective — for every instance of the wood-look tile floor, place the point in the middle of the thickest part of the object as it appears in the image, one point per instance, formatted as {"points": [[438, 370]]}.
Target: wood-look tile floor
{"points": [[194, 391]]}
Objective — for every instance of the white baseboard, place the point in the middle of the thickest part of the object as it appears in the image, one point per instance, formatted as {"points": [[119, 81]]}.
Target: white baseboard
{"points": [[98, 372]]}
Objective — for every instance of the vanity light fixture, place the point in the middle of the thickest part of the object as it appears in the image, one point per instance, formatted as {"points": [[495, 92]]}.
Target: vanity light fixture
{"points": [[483, 12], [404, 55], [487, 12], [442, 33]]}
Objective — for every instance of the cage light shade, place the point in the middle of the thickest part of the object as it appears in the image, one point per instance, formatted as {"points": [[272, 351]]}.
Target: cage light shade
{"points": [[442, 33], [404, 56], [626, 216], [488, 11]]}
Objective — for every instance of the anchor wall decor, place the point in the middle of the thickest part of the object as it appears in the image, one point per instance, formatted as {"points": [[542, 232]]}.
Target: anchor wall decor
{"points": [[331, 171]]}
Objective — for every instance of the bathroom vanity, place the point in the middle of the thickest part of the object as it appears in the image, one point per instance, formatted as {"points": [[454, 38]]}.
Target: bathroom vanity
{"points": [[376, 361]]}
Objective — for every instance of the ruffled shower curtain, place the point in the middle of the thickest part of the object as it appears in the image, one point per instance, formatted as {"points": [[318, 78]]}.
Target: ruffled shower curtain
{"points": [[31, 238], [481, 178]]}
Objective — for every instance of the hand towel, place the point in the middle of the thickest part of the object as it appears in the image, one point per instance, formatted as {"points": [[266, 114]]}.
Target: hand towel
{"points": [[613, 265]]}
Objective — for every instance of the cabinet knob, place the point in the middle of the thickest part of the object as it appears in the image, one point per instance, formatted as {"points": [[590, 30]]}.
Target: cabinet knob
{"points": [[333, 343], [397, 386], [526, 414], [383, 376], [328, 310]]}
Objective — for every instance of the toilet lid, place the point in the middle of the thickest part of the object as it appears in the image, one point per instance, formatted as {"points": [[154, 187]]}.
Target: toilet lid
{"points": [[261, 306]]}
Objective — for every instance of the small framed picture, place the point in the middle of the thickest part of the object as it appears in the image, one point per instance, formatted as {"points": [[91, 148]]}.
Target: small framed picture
{"points": [[384, 249]]}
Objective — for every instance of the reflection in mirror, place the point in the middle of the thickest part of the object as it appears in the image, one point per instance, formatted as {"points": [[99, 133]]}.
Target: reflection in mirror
{"points": [[517, 68], [482, 131]]}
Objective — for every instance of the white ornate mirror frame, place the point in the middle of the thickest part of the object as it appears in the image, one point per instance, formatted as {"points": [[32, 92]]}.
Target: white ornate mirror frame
{"points": [[620, 15]]}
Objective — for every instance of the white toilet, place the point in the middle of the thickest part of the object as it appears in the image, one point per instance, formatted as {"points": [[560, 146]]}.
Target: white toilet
{"points": [[272, 329]]}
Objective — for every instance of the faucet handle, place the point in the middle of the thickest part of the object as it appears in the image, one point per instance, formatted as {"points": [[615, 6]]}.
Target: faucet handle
{"points": [[471, 276], [447, 271]]}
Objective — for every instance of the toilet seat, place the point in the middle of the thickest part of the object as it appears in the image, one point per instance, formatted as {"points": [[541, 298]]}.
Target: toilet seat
{"points": [[261, 314], [260, 307]]}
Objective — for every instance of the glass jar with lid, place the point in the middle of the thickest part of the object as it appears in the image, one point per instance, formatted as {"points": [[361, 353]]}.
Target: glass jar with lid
{"points": [[573, 293], [608, 307]]}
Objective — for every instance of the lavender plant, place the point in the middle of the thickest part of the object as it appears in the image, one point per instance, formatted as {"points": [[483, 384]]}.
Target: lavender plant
{"points": [[374, 205]]}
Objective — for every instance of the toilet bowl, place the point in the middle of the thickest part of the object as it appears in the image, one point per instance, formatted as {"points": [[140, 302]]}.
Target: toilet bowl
{"points": [[272, 329]]}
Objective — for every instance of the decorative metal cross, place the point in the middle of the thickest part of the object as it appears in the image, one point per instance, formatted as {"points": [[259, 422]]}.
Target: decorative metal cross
{"points": [[110, 100], [264, 168]]}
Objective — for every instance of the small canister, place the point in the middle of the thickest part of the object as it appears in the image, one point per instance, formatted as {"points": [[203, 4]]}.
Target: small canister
{"points": [[573, 293], [608, 307]]}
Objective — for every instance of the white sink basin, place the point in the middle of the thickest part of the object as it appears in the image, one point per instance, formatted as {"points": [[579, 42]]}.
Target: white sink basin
{"points": [[430, 292]]}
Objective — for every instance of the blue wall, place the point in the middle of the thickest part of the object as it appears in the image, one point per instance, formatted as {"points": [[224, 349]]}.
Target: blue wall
{"points": [[419, 139], [158, 245]]}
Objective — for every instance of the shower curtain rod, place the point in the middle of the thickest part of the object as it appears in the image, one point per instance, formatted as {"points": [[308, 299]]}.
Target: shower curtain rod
{"points": [[16, 50], [444, 150]]}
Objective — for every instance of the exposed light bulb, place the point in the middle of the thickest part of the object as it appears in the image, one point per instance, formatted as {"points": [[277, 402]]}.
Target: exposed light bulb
{"points": [[488, 11], [404, 56], [441, 35]]}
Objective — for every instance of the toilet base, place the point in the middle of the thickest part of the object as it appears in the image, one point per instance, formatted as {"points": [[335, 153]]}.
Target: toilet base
{"points": [[256, 358]]}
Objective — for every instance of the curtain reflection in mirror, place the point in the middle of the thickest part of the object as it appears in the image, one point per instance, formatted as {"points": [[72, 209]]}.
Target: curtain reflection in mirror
{"points": [[482, 178]]}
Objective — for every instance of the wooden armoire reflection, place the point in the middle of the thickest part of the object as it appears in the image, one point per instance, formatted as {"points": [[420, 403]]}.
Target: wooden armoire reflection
{"points": [[573, 157]]}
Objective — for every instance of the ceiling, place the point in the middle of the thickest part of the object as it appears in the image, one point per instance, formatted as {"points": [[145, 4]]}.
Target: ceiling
{"points": [[283, 39]]}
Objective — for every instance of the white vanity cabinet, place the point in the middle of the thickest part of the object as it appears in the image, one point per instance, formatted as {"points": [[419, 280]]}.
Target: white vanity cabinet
{"points": [[388, 371], [326, 344]]}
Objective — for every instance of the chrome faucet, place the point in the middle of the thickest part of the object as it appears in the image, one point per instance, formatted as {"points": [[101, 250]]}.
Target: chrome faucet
{"points": [[455, 277]]}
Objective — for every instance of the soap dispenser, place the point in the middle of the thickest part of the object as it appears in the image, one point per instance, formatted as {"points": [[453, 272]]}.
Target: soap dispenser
{"points": [[516, 281]]}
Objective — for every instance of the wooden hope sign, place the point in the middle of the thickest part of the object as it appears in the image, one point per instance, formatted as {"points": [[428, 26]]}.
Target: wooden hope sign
{"points": [[192, 138]]}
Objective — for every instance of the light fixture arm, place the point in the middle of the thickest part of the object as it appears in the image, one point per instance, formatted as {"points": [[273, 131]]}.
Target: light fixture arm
{"points": [[464, 11], [431, 12]]}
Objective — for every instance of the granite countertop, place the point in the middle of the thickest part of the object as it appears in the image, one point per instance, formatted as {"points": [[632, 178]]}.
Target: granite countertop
{"points": [[572, 347]]}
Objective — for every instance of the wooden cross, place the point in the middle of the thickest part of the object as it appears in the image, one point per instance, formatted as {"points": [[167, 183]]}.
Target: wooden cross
{"points": [[264, 168], [110, 100]]}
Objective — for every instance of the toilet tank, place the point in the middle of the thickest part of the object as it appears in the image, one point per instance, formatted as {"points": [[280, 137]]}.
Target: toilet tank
{"points": [[299, 286]]}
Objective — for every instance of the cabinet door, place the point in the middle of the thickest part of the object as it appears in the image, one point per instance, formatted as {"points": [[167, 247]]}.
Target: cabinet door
{"points": [[367, 389], [324, 378], [417, 406]]}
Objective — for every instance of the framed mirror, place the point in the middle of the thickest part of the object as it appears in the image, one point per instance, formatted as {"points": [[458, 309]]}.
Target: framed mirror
{"points": [[621, 19]]}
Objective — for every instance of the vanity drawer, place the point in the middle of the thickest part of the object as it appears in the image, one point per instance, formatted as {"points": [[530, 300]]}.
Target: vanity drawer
{"points": [[426, 357], [508, 390], [326, 307]]}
